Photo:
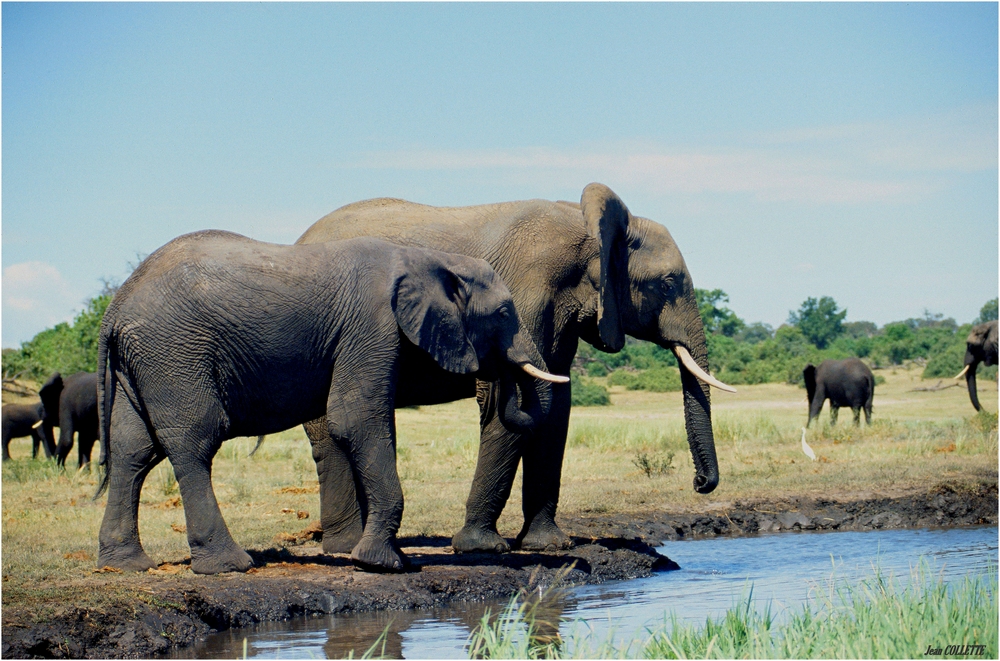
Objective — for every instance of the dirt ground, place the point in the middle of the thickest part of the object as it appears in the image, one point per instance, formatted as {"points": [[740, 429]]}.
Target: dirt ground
{"points": [[144, 615]]}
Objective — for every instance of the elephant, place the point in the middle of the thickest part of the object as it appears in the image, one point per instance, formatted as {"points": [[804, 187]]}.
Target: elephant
{"points": [[26, 420], [847, 382], [216, 335], [980, 347], [71, 405], [589, 271]]}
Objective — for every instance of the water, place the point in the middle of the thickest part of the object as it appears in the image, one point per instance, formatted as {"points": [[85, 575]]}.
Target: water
{"points": [[784, 569]]}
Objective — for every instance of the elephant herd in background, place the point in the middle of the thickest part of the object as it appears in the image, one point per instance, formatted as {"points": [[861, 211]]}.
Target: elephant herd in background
{"points": [[381, 304]]}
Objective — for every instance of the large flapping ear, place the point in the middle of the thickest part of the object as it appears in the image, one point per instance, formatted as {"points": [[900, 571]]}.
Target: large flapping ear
{"points": [[429, 301], [607, 218]]}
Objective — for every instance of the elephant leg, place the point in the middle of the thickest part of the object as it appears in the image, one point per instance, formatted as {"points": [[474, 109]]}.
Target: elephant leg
{"points": [[542, 466], [496, 467], [857, 415], [361, 419], [868, 413], [213, 549], [834, 410], [816, 405], [66, 432], [340, 512], [134, 454], [86, 439], [6, 444]]}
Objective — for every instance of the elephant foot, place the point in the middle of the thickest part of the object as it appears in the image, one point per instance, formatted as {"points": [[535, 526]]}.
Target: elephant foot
{"points": [[375, 555], [542, 537], [235, 559], [130, 560], [341, 541], [474, 539]]}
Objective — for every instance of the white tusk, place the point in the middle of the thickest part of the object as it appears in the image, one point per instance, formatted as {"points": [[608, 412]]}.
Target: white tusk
{"points": [[544, 376], [962, 373], [37, 424], [688, 362]]}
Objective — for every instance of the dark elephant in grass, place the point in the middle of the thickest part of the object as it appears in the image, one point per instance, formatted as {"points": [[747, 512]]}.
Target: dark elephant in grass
{"points": [[847, 382], [980, 347], [21, 420], [589, 271], [71, 404], [216, 336]]}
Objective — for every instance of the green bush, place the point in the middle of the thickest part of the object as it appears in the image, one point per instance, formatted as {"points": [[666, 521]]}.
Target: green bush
{"points": [[586, 393], [657, 379], [65, 348]]}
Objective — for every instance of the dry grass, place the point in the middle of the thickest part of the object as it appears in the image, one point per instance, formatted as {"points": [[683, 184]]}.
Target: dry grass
{"points": [[50, 523]]}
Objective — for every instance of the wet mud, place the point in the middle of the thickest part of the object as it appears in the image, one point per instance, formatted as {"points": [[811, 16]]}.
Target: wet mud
{"points": [[149, 614]]}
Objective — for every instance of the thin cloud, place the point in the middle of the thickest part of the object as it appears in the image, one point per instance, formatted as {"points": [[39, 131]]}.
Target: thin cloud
{"points": [[847, 164], [35, 294]]}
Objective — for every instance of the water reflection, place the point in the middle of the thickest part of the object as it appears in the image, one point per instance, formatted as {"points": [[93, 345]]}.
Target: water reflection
{"points": [[783, 569]]}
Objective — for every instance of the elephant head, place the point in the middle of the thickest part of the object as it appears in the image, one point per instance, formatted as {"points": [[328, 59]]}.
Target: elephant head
{"points": [[645, 290], [980, 347], [460, 312], [49, 393]]}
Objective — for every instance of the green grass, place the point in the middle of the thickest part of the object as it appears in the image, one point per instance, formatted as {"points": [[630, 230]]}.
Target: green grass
{"points": [[875, 618]]}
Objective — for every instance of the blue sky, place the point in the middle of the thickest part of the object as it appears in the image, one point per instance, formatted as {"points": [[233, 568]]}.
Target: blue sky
{"points": [[792, 150]]}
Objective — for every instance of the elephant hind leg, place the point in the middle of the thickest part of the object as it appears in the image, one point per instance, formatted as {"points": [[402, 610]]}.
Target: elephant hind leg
{"points": [[135, 454], [834, 411]]}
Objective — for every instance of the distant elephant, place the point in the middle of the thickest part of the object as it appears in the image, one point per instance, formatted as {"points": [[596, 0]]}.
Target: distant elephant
{"points": [[26, 420], [71, 405], [847, 382], [980, 347], [216, 336], [590, 270]]}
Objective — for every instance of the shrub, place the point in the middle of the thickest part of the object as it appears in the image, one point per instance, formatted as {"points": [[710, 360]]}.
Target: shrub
{"points": [[586, 393], [657, 379]]}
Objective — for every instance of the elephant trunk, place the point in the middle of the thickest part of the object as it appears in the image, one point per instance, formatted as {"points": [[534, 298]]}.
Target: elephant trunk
{"points": [[697, 403], [524, 399], [971, 364]]}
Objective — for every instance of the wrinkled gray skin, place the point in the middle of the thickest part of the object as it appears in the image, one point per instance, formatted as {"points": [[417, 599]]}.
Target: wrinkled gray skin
{"points": [[846, 382], [588, 271], [71, 405], [21, 420], [980, 347], [216, 336]]}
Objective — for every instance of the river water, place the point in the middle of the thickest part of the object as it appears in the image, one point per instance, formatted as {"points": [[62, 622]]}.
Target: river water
{"points": [[784, 570]]}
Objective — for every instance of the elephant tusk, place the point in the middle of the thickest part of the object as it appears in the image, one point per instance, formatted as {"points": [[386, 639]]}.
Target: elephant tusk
{"points": [[962, 373], [37, 424], [544, 376], [688, 362]]}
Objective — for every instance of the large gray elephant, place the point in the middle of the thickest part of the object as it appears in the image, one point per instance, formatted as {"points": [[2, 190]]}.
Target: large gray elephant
{"points": [[71, 404], [847, 382], [980, 347], [216, 335], [590, 270]]}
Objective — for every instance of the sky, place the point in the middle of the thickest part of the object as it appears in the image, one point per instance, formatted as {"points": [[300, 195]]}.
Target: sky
{"points": [[792, 150]]}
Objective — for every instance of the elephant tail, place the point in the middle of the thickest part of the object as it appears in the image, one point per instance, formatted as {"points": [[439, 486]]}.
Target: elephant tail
{"points": [[105, 392]]}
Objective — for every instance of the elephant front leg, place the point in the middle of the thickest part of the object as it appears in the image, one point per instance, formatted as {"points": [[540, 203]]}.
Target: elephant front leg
{"points": [[834, 411], [134, 455], [341, 515], [496, 467], [213, 549], [542, 466]]}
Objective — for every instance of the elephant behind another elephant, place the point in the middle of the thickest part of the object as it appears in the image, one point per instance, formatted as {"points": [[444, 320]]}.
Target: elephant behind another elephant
{"points": [[847, 382], [21, 420], [71, 404]]}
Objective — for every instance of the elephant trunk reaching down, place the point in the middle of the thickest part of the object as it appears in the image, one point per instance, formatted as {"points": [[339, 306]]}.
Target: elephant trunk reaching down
{"points": [[971, 365], [521, 414], [690, 348]]}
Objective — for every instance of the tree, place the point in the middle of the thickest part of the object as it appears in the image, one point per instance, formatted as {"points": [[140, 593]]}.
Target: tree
{"points": [[988, 312], [820, 321], [716, 317]]}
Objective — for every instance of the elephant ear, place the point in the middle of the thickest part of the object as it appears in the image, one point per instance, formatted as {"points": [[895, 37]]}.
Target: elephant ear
{"points": [[990, 345], [429, 300], [607, 219], [51, 390], [809, 374]]}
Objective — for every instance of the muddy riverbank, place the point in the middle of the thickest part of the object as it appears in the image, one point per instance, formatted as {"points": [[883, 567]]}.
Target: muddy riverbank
{"points": [[111, 615]]}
